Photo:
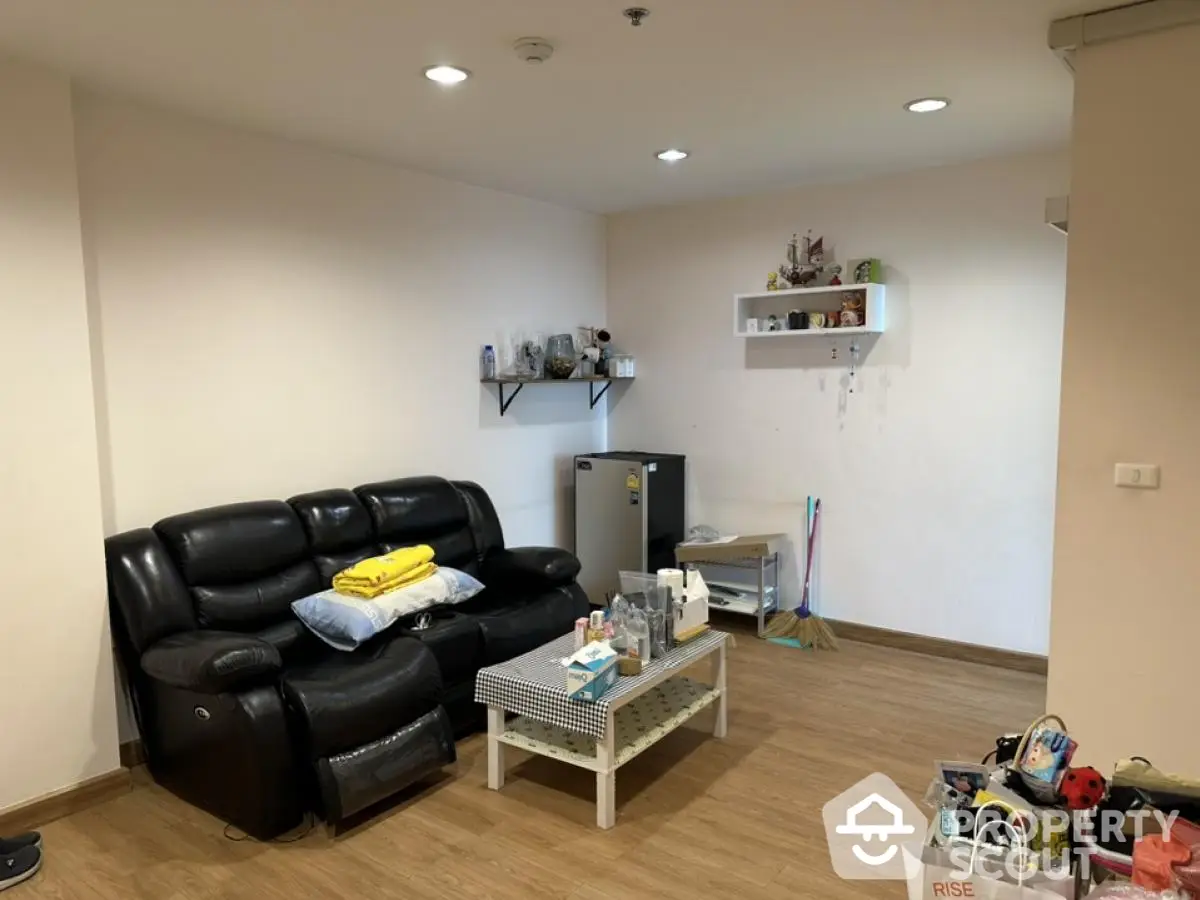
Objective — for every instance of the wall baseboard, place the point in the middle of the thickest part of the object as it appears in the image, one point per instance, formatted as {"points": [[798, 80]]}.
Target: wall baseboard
{"points": [[930, 646], [133, 754], [42, 810]]}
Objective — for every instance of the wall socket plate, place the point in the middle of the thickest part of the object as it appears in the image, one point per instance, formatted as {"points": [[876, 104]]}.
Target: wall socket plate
{"points": [[1136, 475]]}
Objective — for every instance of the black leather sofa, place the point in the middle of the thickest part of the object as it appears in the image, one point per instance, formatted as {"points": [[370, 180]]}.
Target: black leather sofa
{"points": [[246, 714]]}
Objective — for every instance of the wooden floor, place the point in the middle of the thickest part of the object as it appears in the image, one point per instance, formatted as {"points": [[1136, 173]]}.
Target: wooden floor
{"points": [[739, 818]]}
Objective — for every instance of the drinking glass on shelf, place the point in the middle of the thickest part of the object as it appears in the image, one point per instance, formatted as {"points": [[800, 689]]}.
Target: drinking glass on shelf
{"points": [[537, 354], [520, 358]]}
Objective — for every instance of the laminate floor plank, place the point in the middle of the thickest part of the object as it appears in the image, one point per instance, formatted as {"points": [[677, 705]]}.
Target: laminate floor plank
{"points": [[696, 817]]}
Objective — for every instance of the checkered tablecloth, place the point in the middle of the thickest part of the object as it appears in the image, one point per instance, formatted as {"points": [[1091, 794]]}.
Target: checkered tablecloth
{"points": [[535, 684]]}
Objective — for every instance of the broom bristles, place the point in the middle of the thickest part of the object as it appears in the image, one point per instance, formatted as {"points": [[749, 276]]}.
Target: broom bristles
{"points": [[810, 630]]}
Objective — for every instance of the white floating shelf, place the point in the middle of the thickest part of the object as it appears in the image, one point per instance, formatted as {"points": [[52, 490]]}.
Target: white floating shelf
{"points": [[813, 299]]}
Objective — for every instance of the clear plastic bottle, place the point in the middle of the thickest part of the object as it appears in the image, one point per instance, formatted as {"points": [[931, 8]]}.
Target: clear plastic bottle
{"points": [[639, 635], [487, 362]]}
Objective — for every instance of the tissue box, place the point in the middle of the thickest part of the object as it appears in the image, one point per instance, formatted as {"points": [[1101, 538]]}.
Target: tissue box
{"points": [[591, 671]]}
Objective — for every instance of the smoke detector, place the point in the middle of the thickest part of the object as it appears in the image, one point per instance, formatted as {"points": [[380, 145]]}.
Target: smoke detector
{"points": [[533, 50], [635, 14]]}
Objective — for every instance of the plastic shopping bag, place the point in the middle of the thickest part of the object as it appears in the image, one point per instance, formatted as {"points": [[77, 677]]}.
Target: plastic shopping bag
{"points": [[977, 869], [938, 874]]}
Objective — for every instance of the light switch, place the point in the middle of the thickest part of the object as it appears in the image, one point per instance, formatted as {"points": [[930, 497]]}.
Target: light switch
{"points": [[1137, 475]]}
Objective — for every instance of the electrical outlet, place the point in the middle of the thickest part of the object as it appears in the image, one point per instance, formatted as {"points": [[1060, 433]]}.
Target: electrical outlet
{"points": [[1136, 475]]}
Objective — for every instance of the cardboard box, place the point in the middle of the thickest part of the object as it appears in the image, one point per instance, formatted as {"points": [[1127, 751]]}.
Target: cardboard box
{"points": [[754, 546], [591, 671]]}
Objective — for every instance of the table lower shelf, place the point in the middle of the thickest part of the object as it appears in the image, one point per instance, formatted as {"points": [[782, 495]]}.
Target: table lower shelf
{"points": [[639, 724]]}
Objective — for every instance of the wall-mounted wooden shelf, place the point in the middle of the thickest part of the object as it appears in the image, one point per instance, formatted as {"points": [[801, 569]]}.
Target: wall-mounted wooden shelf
{"points": [[518, 383], [814, 299]]}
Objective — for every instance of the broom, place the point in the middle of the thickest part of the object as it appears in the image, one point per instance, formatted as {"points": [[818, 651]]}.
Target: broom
{"points": [[802, 625]]}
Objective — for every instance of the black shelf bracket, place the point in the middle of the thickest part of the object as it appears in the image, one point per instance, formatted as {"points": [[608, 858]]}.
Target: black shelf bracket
{"points": [[595, 398], [505, 404]]}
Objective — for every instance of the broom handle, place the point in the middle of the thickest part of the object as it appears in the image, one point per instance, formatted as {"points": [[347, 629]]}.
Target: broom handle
{"points": [[812, 543]]}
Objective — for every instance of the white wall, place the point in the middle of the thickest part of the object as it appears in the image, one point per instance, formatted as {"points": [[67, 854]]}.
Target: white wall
{"points": [[1125, 566], [938, 473], [57, 705], [277, 319]]}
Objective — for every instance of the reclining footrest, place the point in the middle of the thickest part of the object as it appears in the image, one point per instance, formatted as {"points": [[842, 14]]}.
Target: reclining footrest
{"points": [[351, 781]]}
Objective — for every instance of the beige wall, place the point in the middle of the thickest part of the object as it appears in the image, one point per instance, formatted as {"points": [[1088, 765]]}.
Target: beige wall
{"points": [[1125, 620], [277, 319], [937, 473], [270, 318], [57, 704]]}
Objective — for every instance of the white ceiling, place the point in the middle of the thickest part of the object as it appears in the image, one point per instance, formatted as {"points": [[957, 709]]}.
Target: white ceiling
{"points": [[764, 93]]}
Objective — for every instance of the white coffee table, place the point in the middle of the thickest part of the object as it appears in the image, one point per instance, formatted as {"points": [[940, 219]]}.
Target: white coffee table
{"points": [[632, 715]]}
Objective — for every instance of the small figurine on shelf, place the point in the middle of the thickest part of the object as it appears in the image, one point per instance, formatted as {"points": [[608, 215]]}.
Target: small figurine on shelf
{"points": [[597, 348], [836, 272], [772, 281], [773, 323]]}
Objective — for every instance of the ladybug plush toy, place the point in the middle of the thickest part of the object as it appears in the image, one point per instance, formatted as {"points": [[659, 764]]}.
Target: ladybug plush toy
{"points": [[1082, 788]]}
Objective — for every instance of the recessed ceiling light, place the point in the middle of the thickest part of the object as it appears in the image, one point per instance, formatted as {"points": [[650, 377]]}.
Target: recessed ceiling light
{"points": [[927, 104], [672, 155], [447, 75]]}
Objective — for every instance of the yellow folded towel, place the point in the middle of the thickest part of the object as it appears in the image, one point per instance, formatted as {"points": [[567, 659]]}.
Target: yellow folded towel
{"points": [[371, 591], [378, 569]]}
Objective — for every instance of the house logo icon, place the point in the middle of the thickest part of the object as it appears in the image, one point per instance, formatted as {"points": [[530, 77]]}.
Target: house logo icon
{"points": [[866, 826], [884, 831]]}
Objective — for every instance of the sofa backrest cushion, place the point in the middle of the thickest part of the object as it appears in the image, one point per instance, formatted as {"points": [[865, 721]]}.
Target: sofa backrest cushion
{"points": [[423, 510], [150, 600], [244, 564], [338, 528], [485, 524]]}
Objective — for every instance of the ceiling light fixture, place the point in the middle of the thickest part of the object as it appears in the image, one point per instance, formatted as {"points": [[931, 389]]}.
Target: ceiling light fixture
{"points": [[927, 104], [672, 155], [447, 75]]}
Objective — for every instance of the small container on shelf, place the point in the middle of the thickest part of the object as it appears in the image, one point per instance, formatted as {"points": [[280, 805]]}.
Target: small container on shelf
{"points": [[561, 359]]}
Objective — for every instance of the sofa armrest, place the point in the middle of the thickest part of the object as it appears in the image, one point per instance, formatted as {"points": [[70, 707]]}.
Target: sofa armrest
{"points": [[210, 662], [537, 567]]}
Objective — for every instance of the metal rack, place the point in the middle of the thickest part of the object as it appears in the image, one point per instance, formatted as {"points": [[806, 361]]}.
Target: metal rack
{"points": [[754, 552]]}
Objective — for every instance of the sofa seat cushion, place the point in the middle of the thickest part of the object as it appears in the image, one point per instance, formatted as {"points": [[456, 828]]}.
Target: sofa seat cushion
{"points": [[514, 625], [293, 641], [454, 640], [349, 699]]}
